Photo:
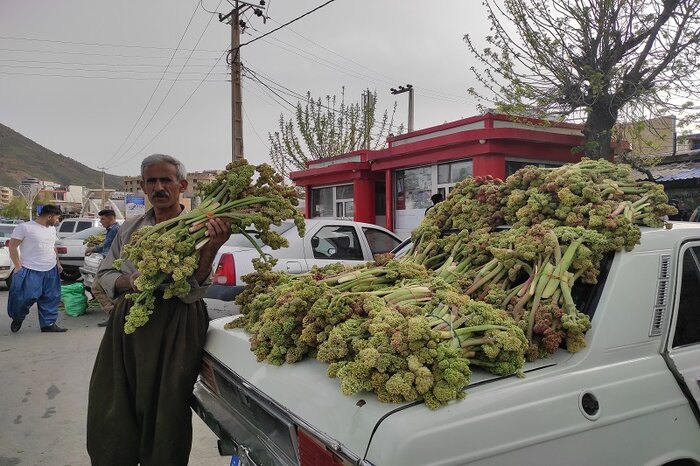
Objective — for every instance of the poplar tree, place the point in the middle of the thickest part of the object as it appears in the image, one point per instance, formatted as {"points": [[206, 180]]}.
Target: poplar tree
{"points": [[324, 127]]}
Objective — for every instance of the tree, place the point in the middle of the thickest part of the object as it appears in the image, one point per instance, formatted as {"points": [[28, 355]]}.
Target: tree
{"points": [[325, 127], [17, 208], [598, 60]]}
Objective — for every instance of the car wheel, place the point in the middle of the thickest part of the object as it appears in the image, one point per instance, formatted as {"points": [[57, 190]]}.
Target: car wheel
{"points": [[70, 275]]}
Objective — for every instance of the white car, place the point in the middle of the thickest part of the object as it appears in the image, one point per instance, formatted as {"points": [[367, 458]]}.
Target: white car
{"points": [[7, 268], [71, 252], [326, 241]]}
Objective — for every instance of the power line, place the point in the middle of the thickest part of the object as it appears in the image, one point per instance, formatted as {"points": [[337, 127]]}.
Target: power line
{"points": [[286, 24], [94, 70], [58, 62], [173, 83], [94, 44], [126, 78], [175, 114], [150, 98], [297, 95], [111, 55]]}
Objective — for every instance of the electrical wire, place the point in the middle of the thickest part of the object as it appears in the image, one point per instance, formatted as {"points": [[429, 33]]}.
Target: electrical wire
{"points": [[286, 24], [95, 44], [172, 85], [150, 98], [174, 115]]}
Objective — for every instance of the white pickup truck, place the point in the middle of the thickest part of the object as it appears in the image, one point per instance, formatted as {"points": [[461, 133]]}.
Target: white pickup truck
{"points": [[629, 398]]}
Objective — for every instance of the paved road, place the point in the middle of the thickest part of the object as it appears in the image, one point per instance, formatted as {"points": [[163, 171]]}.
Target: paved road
{"points": [[45, 379]]}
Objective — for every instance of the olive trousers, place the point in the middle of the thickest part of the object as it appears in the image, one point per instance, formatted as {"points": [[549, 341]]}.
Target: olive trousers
{"points": [[141, 385]]}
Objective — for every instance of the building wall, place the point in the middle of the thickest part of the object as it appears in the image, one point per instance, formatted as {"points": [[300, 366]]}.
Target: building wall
{"points": [[5, 195], [489, 144]]}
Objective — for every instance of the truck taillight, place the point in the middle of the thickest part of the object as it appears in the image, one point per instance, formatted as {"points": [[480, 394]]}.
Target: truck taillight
{"points": [[314, 453], [61, 249], [7, 243], [225, 273]]}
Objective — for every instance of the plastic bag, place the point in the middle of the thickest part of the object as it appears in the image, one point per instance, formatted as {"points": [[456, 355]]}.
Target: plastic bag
{"points": [[74, 299]]}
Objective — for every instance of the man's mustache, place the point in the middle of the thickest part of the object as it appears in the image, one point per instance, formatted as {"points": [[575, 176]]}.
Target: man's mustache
{"points": [[163, 194]]}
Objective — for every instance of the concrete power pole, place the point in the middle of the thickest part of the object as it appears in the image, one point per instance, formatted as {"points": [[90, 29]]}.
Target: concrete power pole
{"points": [[408, 88], [103, 186], [236, 94]]}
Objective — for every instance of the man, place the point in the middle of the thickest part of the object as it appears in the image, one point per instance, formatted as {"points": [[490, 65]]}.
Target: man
{"points": [[436, 198], [37, 271], [138, 403], [108, 219]]}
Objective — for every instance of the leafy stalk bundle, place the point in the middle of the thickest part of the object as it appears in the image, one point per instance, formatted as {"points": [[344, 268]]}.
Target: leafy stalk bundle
{"points": [[468, 293], [167, 254], [95, 240]]}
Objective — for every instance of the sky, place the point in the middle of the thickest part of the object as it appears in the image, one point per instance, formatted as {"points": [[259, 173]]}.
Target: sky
{"points": [[108, 83]]}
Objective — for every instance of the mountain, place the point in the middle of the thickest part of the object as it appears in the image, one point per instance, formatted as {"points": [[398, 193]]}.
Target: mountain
{"points": [[20, 157]]}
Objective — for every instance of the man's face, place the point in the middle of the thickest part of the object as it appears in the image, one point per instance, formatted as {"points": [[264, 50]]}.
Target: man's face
{"points": [[53, 220], [106, 220], [161, 185]]}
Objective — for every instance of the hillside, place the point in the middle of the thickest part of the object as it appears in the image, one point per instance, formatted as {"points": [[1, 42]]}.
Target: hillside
{"points": [[21, 157]]}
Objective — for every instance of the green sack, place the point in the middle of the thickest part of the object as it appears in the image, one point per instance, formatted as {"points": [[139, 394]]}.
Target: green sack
{"points": [[74, 299]]}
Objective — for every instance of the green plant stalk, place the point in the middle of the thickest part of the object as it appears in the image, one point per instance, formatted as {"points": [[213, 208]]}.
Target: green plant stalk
{"points": [[475, 286]]}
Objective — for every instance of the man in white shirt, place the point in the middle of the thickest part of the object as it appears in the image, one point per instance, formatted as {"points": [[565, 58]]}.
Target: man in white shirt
{"points": [[37, 273]]}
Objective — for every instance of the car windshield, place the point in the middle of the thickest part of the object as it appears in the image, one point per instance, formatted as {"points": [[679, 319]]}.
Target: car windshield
{"points": [[239, 240], [83, 234]]}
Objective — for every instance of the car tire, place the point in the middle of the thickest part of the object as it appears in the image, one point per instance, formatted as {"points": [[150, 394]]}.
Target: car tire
{"points": [[70, 275]]}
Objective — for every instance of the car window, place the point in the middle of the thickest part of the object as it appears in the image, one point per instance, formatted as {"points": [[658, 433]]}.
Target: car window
{"points": [[688, 325], [82, 225], [66, 227], [379, 241], [336, 242], [239, 240]]}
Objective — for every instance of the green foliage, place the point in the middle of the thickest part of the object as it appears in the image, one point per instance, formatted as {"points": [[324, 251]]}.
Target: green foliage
{"points": [[167, 254], [17, 208], [468, 294]]}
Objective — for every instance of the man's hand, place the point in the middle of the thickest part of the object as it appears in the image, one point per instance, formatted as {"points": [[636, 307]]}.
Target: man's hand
{"points": [[218, 232], [59, 267], [132, 280], [88, 251]]}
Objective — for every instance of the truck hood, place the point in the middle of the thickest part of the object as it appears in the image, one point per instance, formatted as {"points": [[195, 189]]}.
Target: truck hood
{"points": [[306, 392]]}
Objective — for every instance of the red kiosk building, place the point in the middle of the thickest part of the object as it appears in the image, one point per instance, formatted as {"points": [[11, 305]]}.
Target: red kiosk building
{"points": [[392, 187]]}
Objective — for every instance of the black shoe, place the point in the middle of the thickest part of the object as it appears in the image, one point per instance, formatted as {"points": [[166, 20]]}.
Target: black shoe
{"points": [[53, 328], [103, 323], [15, 326]]}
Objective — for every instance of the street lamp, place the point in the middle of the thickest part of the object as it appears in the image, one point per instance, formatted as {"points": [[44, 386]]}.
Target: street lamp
{"points": [[408, 88], [27, 200]]}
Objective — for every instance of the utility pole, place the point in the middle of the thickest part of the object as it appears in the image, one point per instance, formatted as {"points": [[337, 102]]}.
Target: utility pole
{"points": [[409, 89], [234, 20], [103, 186], [236, 95]]}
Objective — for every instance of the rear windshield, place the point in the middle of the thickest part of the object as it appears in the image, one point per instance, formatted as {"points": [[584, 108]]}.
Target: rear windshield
{"points": [[239, 240]]}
